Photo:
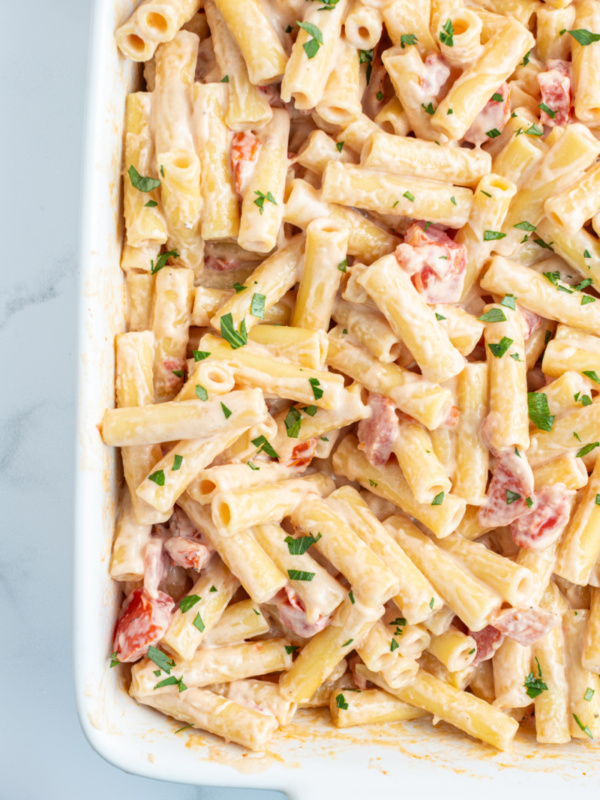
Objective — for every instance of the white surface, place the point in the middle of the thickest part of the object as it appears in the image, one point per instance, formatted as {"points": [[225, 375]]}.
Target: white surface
{"points": [[43, 753]]}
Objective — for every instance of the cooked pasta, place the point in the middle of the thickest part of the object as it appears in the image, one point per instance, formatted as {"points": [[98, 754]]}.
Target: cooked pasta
{"points": [[358, 395]]}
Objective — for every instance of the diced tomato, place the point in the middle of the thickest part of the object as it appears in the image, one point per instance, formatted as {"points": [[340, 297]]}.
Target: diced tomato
{"points": [[435, 262], [488, 641], [245, 148], [142, 622], [555, 88], [525, 625], [453, 417], [188, 553], [436, 72], [292, 614], [377, 433], [303, 454], [511, 485], [542, 525], [172, 365], [220, 264], [493, 117]]}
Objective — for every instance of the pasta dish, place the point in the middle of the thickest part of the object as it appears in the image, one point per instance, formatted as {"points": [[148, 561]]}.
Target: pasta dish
{"points": [[357, 399]]}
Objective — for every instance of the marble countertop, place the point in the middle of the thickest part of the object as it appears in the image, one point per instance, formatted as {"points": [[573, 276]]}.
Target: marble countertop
{"points": [[44, 753]]}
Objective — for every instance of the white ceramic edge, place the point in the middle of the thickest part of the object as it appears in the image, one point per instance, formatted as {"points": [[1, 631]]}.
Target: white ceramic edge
{"points": [[429, 765]]}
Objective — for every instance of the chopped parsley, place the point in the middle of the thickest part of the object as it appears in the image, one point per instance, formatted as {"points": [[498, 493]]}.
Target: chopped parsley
{"points": [[226, 411], [428, 108], [584, 37], [409, 196], [141, 182], [177, 462], [438, 499], [525, 226], [394, 645], [493, 133], [161, 660], [508, 301], [158, 477], [535, 130], [407, 39], [511, 497], [589, 693], [189, 602], [197, 623], [172, 681], [489, 236], [293, 423], [291, 648], [343, 265], [497, 97], [547, 110], [260, 200], [200, 355], [340, 146], [257, 307], [534, 686], [316, 388], [299, 546], [493, 315], [263, 445], [592, 375], [539, 411], [300, 575], [150, 204], [583, 727], [201, 392], [311, 47], [161, 261], [340, 701], [439, 317], [587, 449], [228, 332], [501, 347], [447, 33], [366, 57]]}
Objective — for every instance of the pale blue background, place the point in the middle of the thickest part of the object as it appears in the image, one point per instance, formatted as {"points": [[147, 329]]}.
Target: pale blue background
{"points": [[43, 753]]}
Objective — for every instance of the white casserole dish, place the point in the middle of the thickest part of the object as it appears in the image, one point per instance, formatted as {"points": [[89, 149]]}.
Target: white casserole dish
{"points": [[309, 759]]}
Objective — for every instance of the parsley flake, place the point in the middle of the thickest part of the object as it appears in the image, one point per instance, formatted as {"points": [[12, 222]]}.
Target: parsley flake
{"points": [[263, 445], [493, 315], [293, 423], [539, 411], [299, 546], [228, 332], [158, 477], [141, 182], [501, 347], [300, 575]]}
